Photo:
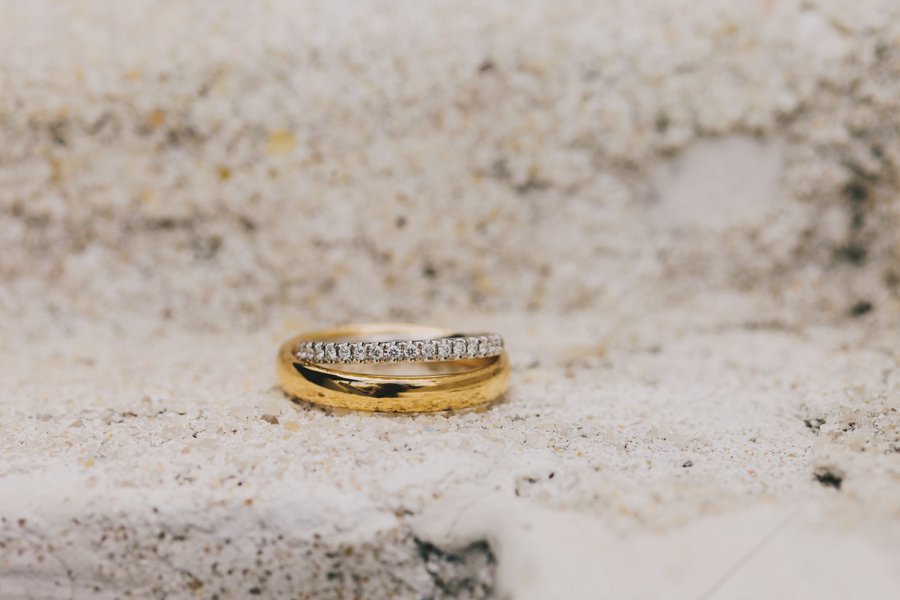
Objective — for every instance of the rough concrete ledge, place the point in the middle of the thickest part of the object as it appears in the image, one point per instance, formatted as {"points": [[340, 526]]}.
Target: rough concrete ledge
{"points": [[691, 438]]}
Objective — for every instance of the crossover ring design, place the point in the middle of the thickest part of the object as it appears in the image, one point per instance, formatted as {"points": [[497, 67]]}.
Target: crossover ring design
{"points": [[394, 367]]}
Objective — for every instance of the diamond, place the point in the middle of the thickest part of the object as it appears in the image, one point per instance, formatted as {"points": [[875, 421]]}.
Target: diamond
{"points": [[394, 350], [472, 347], [445, 349], [459, 347], [318, 351], [359, 351], [343, 352], [482, 346], [429, 348], [413, 350], [375, 352], [330, 352], [496, 344]]}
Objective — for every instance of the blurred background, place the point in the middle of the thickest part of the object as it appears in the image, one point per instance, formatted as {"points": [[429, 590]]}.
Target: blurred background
{"points": [[213, 165], [682, 215]]}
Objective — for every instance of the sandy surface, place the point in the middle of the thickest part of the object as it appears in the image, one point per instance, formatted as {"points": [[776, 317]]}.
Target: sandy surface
{"points": [[682, 216]]}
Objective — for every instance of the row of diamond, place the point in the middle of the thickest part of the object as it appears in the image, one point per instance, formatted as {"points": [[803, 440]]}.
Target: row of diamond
{"points": [[447, 348]]}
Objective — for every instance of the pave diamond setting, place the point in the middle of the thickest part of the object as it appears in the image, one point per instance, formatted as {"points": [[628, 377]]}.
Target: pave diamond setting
{"points": [[453, 347]]}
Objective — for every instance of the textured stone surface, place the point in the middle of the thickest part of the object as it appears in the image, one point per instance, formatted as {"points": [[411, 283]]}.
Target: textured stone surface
{"points": [[173, 466], [693, 205], [166, 156]]}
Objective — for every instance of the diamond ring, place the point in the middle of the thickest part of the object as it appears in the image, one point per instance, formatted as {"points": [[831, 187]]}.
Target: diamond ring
{"points": [[394, 367]]}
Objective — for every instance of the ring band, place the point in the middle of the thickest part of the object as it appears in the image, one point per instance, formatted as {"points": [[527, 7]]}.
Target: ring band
{"points": [[451, 347], [393, 367]]}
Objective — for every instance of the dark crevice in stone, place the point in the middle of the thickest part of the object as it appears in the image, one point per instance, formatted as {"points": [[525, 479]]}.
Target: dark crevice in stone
{"points": [[858, 196], [59, 132], [828, 477], [814, 423], [853, 253], [531, 185], [429, 271], [860, 308], [469, 572]]}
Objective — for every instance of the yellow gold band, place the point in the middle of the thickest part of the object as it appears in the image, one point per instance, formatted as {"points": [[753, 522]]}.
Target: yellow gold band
{"points": [[411, 387]]}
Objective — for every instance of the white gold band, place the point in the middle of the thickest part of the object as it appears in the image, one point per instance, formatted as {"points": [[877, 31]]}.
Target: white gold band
{"points": [[453, 347]]}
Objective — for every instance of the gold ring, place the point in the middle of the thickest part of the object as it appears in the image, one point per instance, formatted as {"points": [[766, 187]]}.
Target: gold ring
{"points": [[394, 367]]}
